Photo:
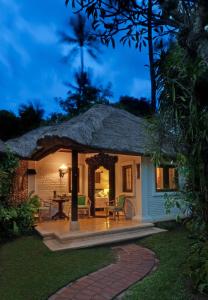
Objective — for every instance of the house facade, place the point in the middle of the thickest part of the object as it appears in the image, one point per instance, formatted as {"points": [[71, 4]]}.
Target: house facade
{"points": [[101, 154]]}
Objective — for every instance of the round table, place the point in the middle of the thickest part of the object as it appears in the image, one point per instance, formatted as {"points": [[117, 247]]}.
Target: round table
{"points": [[60, 213]]}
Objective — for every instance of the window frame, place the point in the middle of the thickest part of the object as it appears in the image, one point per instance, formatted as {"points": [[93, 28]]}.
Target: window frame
{"points": [[124, 181], [167, 167]]}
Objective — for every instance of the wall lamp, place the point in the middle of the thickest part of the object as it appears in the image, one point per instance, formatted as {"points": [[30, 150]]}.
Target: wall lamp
{"points": [[62, 171]]}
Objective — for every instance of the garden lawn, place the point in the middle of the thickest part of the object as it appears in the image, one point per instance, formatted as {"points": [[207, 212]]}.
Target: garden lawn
{"points": [[168, 282], [29, 271]]}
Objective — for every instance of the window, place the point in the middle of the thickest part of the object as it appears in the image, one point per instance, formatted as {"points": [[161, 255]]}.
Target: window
{"points": [[127, 179], [166, 178], [70, 180]]}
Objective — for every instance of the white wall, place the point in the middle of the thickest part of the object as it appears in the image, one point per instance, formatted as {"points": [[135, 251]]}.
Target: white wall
{"points": [[152, 201], [47, 178]]}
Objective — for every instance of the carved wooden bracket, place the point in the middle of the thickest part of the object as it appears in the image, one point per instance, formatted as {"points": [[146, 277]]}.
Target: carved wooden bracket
{"points": [[108, 162]]}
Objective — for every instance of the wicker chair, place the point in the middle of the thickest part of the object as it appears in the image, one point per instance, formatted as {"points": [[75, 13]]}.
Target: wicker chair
{"points": [[119, 207], [83, 206]]}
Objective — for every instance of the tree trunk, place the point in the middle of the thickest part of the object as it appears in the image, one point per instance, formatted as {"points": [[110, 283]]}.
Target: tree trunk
{"points": [[151, 58], [82, 59], [74, 208]]}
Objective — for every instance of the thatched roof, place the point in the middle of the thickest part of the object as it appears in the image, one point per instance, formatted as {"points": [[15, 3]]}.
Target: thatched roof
{"points": [[2, 147], [101, 127]]}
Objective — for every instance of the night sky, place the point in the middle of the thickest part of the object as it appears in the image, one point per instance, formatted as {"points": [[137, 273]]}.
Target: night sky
{"points": [[30, 57]]}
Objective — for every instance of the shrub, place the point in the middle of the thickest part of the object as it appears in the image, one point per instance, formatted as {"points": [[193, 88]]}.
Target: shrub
{"points": [[19, 220], [8, 166], [197, 266]]}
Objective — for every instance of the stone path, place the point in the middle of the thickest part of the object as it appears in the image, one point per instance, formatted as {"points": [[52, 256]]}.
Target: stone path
{"points": [[133, 263]]}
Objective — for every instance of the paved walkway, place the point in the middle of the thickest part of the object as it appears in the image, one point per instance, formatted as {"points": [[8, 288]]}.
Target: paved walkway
{"points": [[133, 263]]}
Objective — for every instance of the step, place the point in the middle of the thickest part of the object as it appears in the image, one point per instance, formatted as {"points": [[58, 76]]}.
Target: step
{"points": [[76, 235], [56, 245]]}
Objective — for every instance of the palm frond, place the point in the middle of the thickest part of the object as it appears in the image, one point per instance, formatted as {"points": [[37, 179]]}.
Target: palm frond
{"points": [[65, 38], [93, 54], [70, 85]]}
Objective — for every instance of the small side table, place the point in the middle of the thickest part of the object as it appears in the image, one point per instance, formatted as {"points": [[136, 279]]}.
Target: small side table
{"points": [[60, 213]]}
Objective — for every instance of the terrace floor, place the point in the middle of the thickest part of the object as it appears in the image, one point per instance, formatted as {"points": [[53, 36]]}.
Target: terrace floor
{"points": [[92, 232], [86, 225]]}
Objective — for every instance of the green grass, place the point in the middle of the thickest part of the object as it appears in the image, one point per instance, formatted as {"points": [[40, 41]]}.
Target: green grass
{"points": [[168, 282], [29, 271]]}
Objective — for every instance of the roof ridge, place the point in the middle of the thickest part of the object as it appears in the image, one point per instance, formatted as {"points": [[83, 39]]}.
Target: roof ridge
{"points": [[86, 131]]}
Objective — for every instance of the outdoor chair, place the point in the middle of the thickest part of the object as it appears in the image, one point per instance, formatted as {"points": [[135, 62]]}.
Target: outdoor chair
{"points": [[44, 211], [117, 208], [83, 205]]}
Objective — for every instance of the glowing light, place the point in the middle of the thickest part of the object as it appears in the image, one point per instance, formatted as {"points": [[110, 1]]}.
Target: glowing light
{"points": [[63, 170]]}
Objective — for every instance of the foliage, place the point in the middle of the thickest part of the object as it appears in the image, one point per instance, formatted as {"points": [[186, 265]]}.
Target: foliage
{"points": [[26, 262], [56, 118], [8, 166], [82, 39], [197, 266], [16, 220], [9, 124], [184, 113], [84, 94], [138, 107], [129, 18], [146, 23], [31, 116]]}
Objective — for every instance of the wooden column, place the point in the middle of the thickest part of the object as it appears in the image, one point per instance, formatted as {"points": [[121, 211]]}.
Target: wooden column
{"points": [[74, 204], [91, 189], [112, 184]]}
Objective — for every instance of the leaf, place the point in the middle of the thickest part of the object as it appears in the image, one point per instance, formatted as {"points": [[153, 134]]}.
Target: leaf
{"points": [[113, 42], [91, 10], [144, 43]]}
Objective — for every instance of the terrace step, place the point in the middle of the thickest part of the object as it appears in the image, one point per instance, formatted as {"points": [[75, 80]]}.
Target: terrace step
{"points": [[77, 235], [84, 241]]}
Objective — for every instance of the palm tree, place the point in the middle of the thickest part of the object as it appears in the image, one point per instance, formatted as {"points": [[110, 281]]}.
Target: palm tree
{"points": [[84, 94], [81, 40]]}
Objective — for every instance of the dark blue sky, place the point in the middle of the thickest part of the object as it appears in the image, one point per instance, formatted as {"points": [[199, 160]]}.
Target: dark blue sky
{"points": [[30, 57]]}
